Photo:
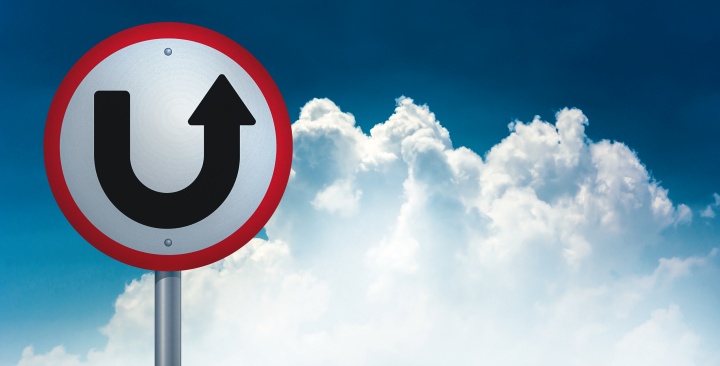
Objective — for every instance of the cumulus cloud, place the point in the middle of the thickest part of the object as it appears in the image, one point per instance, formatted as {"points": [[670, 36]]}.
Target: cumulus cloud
{"points": [[662, 340], [709, 212], [397, 248]]}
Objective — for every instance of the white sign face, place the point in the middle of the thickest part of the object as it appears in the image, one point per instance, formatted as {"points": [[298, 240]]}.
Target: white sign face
{"points": [[169, 148]]}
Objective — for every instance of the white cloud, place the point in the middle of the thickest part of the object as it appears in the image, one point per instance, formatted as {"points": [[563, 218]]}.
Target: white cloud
{"points": [[338, 197], [708, 212], [396, 248], [662, 340], [57, 356]]}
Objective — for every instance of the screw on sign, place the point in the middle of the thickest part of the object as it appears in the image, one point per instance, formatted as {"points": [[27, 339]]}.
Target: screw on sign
{"points": [[168, 147]]}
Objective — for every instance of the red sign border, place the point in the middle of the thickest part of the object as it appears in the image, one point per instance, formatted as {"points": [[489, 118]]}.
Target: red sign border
{"points": [[283, 143]]}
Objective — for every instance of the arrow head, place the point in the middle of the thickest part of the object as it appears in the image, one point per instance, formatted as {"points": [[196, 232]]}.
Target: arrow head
{"points": [[221, 106]]}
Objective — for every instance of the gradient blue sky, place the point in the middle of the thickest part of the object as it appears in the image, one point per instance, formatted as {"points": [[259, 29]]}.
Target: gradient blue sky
{"points": [[645, 74]]}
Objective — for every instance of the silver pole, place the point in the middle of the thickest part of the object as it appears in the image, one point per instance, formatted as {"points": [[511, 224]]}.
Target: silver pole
{"points": [[167, 318]]}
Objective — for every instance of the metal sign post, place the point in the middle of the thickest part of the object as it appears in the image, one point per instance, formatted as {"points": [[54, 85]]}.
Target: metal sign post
{"points": [[167, 318]]}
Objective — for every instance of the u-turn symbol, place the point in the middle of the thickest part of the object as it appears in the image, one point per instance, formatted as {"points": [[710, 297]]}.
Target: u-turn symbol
{"points": [[221, 111]]}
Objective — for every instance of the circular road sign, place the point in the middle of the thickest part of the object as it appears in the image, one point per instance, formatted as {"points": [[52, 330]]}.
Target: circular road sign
{"points": [[168, 146]]}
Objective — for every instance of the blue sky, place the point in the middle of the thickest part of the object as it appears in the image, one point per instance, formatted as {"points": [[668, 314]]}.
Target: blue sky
{"points": [[643, 75]]}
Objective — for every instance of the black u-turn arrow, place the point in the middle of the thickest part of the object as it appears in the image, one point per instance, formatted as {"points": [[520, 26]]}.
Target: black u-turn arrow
{"points": [[221, 111]]}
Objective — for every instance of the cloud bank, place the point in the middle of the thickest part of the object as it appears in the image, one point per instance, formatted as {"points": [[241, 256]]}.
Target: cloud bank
{"points": [[395, 248]]}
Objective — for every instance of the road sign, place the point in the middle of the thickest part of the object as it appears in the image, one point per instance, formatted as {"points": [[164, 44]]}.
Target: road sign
{"points": [[168, 146]]}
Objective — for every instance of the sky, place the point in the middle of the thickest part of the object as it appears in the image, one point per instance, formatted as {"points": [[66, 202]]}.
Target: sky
{"points": [[473, 182]]}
